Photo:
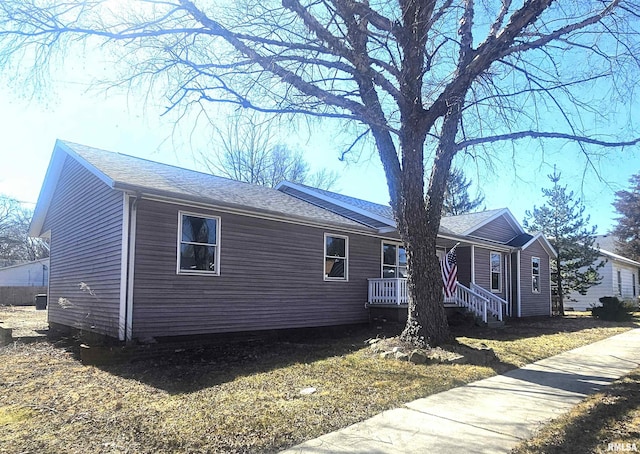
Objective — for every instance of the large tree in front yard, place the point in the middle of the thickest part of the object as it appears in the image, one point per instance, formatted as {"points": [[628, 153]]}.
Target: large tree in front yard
{"points": [[423, 79]]}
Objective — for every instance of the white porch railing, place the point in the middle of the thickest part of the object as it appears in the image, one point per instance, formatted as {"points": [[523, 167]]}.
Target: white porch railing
{"points": [[473, 301], [496, 306], [478, 300], [388, 291]]}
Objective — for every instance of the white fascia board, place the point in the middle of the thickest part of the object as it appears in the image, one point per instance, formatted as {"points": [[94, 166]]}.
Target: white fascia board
{"points": [[478, 242], [503, 212], [619, 258], [97, 173], [60, 152], [46, 192], [340, 203]]}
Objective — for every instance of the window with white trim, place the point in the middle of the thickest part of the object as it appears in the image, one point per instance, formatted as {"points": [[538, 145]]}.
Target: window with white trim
{"points": [[496, 271], [535, 274], [198, 244], [336, 257], [619, 273], [394, 260], [633, 284]]}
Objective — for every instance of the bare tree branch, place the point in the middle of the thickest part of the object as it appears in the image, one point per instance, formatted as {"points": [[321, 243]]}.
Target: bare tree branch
{"points": [[546, 135]]}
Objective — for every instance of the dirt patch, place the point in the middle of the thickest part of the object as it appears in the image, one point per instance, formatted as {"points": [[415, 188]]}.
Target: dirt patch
{"points": [[396, 348]]}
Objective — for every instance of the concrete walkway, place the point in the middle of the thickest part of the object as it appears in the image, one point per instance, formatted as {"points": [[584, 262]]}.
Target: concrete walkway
{"points": [[491, 415]]}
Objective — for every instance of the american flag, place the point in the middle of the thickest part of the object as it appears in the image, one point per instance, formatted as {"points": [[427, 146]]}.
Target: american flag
{"points": [[449, 268]]}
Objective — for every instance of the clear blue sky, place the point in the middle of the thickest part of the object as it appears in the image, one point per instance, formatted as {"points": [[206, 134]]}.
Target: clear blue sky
{"points": [[118, 122]]}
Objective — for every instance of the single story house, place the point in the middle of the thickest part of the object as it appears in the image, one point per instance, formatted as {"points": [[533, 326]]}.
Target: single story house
{"points": [[619, 277], [141, 249], [21, 282], [27, 274]]}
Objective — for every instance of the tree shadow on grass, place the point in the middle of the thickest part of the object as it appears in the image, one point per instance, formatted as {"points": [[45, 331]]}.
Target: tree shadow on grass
{"points": [[515, 329], [178, 369], [581, 431]]}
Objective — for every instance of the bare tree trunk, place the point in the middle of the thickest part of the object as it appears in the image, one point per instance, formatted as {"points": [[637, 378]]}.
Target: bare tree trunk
{"points": [[418, 225], [427, 320]]}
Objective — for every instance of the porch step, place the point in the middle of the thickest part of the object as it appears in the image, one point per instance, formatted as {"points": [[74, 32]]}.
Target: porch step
{"points": [[493, 322]]}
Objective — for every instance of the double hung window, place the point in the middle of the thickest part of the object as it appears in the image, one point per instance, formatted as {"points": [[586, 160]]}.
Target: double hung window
{"points": [[619, 276], [336, 257], [496, 272], [394, 260], [198, 244], [535, 274]]}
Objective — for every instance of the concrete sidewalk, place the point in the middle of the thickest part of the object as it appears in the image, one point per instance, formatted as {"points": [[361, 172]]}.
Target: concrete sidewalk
{"points": [[491, 415]]}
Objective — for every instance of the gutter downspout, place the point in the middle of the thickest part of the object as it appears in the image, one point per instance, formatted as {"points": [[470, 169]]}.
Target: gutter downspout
{"points": [[131, 267], [519, 286], [127, 258], [507, 283], [124, 263]]}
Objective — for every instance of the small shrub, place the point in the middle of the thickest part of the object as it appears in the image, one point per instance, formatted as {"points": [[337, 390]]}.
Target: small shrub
{"points": [[613, 309]]}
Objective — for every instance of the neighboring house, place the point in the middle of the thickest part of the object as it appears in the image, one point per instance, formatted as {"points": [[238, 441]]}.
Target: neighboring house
{"points": [[20, 283], [141, 249], [27, 274], [619, 277]]}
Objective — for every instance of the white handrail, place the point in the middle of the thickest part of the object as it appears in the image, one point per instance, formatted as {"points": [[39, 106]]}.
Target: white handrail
{"points": [[495, 302], [473, 301], [394, 292]]}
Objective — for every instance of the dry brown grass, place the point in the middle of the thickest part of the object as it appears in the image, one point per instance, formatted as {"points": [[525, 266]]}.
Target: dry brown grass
{"points": [[25, 321], [611, 416], [240, 398]]}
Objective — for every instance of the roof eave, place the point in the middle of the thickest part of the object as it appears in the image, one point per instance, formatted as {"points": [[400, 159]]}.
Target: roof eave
{"points": [[619, 258], [60, 152], [141, 192], [340, 203], [503, 212]]}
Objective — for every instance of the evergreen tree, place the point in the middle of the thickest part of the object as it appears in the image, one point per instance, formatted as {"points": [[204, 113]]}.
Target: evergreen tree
{"points": [[562, 220], [627, 230], [456, 196]]}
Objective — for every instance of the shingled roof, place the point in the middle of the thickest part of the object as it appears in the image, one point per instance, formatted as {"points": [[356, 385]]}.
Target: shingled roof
{"points": [[462, 223], [355, 208], [384, 211], [129, 173], [141, 176]]}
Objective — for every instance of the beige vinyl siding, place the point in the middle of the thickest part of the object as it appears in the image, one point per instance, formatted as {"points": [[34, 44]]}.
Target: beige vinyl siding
{"points": [[271, 277], [499, 230], [85, 220], [607, 287], [482, 267], [534, 304]]}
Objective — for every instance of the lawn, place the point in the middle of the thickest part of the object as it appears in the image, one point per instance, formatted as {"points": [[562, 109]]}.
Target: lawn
{"points": [[242, 397], [604, 422]]}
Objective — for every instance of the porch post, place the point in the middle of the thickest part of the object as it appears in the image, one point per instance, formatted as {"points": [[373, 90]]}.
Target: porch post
{"points": [[519, 287], [473, 264]]}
